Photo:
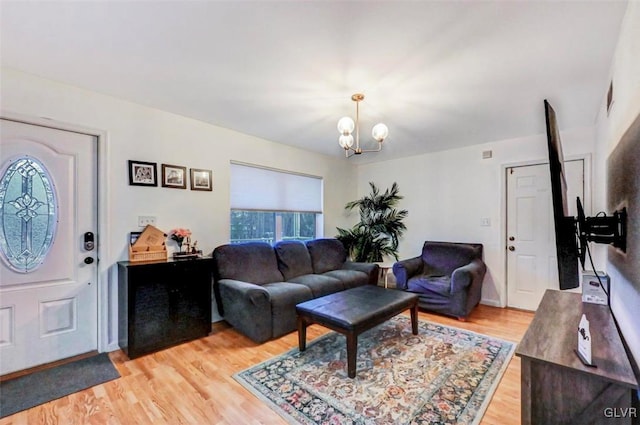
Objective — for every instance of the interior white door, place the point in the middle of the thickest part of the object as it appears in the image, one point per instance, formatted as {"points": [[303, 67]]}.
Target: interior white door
{"points": [[48, 200], [532, 265]]}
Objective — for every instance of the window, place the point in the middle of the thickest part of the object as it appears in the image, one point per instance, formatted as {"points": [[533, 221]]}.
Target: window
{"points": [[272, 205], [28, 214], [272, 226]]}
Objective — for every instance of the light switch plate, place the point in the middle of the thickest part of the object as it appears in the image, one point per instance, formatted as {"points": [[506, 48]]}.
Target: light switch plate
{"points": [[144, 220]]}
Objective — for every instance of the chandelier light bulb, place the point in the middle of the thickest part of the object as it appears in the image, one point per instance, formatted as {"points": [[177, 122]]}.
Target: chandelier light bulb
{"points": [[346, 126], [380, 132], [345, 141]]}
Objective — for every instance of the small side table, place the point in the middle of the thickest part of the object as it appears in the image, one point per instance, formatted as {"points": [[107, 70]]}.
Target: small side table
{"points": [[385, 267]]}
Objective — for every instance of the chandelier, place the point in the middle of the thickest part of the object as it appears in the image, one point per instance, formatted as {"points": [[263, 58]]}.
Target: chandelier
{"points": [[346, 127]]}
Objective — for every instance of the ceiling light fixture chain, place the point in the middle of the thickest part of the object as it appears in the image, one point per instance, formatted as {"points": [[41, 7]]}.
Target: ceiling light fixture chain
{"points": [[346, 127]]}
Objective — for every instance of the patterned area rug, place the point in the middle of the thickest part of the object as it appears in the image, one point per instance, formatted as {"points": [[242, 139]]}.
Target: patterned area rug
{"points": [[442, 375]]}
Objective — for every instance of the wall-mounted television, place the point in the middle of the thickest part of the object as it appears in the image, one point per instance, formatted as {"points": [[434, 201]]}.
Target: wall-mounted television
{"points": [[573, 234]]}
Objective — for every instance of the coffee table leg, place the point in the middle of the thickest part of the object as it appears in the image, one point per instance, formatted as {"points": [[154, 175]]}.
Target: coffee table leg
{"points": [[352, 353], [302, 334], [414, 319]]}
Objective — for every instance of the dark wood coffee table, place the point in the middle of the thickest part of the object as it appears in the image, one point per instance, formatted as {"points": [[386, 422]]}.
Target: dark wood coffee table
{"points": [[354, 311]]}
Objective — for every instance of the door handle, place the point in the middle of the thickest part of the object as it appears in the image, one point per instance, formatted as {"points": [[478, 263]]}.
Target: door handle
{"points": [[511, 238], [512, 248], [88, 260]]}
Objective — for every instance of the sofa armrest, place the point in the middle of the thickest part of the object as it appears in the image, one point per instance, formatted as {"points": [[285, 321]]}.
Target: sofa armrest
{"points": [[371, 269], [247, 307], [404, 269], [465, 276]]}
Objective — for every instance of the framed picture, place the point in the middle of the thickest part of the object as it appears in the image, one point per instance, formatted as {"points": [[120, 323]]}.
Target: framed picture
{"points": [[133, 237], [143, 173], [201, 179], [174, 176]]}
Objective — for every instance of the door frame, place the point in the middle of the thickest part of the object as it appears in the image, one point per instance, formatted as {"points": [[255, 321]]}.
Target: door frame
{"points": [[586, 158], [106, 305]]}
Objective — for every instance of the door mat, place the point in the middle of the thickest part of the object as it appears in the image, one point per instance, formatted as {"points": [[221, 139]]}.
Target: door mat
{"points": [[40, 387]]}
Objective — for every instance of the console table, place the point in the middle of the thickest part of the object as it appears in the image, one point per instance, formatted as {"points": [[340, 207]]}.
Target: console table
{"points": [[556, 387], [163, 303]]}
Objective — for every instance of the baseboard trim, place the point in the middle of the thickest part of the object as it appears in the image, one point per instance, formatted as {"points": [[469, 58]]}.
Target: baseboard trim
{"points": [[492, 303]]}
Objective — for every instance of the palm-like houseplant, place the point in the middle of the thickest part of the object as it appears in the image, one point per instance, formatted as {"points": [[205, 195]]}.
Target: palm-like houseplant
{"points": [[380, 227]]}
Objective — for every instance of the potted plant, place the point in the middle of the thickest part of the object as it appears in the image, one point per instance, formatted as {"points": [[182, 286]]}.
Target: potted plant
{"points": [[380, 227]]}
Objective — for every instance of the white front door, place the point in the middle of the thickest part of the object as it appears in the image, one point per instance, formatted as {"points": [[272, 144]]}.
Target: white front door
{"points": [[532, 265], [48, 200]]}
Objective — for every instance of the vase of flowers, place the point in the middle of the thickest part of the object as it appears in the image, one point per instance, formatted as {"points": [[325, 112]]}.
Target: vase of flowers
{"points": [[179, 235]]}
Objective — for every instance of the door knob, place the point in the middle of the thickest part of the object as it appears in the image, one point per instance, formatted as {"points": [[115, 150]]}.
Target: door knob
{"points": [[511, 238], [88, 260], [512, 248]]}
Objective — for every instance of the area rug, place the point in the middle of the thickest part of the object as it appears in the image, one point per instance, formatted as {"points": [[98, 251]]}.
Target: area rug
{"points": [[50, 384], [442, 375]]}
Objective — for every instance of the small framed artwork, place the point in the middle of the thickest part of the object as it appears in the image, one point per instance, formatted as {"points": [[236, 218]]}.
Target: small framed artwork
{"points": [[143, 173], [201, 179], [133, 237], [174, 176]]}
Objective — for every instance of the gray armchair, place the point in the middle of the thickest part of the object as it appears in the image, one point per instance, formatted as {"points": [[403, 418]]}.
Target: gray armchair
{"points": [[447, 277]]}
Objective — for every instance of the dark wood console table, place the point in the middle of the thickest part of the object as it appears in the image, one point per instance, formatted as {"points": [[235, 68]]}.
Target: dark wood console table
{"points": [[556, 387], [163, 303]]}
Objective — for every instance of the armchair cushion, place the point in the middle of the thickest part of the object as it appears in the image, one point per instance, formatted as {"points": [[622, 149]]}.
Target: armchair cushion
{"points": [[442, 258], [424, 283]]}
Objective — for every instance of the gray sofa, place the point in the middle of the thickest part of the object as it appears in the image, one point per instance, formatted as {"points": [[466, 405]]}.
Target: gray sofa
{"points": [[257, 286]]}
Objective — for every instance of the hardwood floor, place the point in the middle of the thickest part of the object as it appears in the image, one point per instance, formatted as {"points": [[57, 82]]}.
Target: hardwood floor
{"points": [[192, 383]]}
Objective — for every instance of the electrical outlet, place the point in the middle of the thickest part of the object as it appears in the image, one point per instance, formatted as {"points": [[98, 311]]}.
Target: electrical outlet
{"points": [[144, 220]]}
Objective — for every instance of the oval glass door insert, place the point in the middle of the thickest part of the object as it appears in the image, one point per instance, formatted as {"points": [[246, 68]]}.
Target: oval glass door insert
{"points": [[28, 214]]}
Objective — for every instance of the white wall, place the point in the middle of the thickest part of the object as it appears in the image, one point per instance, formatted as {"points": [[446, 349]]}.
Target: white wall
{"points": [[625, 73], [448, 194], [146, 134]]}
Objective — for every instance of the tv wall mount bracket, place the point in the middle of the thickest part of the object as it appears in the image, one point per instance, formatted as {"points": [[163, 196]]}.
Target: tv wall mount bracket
{"points": [[602, 228]]}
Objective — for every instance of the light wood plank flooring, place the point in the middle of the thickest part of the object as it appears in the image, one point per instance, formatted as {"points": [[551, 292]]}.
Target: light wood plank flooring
{"points": [[192, 383]]}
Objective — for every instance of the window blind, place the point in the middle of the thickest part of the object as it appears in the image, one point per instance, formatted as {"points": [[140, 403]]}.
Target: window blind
{"points": [[265, 189]]}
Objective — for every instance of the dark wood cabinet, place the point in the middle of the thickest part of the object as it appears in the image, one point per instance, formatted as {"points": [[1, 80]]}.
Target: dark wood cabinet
{"points": [[556, 387], [161, 304]]}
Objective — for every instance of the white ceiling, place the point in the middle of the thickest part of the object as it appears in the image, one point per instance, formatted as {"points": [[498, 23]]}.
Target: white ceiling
{"points": [[440, 74]]}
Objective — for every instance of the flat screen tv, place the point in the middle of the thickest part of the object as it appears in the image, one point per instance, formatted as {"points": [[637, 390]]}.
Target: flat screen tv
{"points": [[573, 234], [565, 225]]}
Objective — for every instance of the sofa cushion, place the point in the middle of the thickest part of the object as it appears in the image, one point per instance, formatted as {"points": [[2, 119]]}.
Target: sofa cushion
{"points": [[253, 262], [326, 254], [319, 284], [349, 278], [293, 259]]}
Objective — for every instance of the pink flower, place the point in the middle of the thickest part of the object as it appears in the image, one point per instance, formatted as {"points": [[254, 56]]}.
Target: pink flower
{"points": [[179, 234]]}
